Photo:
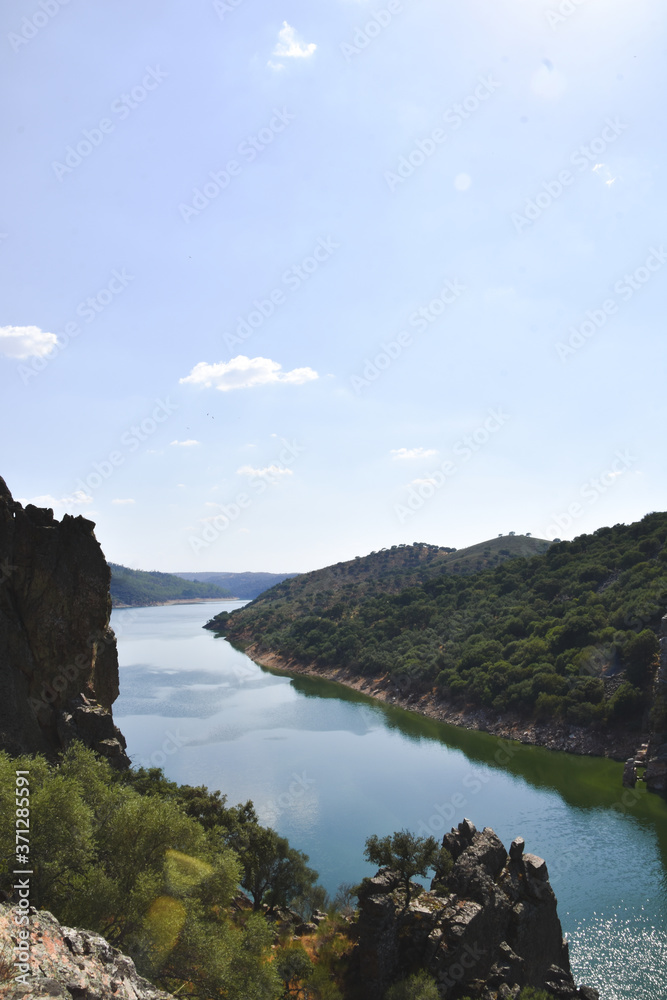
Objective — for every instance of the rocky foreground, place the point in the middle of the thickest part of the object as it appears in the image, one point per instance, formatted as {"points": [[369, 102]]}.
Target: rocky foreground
{"points": [[494, 930], [64, 963]]}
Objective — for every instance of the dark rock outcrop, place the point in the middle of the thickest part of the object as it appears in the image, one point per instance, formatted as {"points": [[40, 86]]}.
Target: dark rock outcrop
{"points": [[58, 659], [656, 755], [494, 930], [65, 963]]}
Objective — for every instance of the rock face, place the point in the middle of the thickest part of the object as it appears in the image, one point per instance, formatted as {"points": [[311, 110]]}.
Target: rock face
{"points": [[492, 931], [65, 963], [656, 755], [58, 658]]}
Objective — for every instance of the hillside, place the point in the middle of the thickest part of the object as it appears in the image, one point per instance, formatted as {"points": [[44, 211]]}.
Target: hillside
{"points": [[138, 588], [245, 586], [391, 570], [567, 634]]}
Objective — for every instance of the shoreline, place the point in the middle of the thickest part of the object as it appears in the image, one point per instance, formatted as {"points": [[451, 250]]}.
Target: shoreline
{"points": [[178, 600], [618, 746]]}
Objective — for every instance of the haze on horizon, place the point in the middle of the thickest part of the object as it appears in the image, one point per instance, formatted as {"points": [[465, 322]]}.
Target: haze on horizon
{"points": [[282, 286]]}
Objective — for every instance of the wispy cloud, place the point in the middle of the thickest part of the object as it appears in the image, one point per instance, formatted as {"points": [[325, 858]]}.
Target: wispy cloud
{"points": [[190, 443], [265, 473], [401, 453], [289, 46], [122, 501], [26, 342], [77, 499], [246, 373]]}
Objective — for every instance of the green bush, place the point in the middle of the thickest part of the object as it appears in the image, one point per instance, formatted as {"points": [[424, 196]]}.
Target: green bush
{"points": [[420, 986]]}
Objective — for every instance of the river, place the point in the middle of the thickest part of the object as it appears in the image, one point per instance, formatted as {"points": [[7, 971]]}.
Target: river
{"points": [[327, 767]]}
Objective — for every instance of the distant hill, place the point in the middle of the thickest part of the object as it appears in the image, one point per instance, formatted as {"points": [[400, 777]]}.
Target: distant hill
{"points": [[245, 586], [391, 570], [563, 630], [138, 588]]}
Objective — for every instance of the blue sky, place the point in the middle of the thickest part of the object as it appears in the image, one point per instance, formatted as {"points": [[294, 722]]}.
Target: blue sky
{"points": [[284, 284]]}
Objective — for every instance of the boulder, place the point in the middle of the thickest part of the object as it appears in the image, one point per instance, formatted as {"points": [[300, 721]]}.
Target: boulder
{"points": [[491, 932], [68, 963]]}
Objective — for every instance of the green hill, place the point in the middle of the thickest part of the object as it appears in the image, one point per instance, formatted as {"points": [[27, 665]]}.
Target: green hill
{"points": [[138, 588], [568, 633], [391, 570]]}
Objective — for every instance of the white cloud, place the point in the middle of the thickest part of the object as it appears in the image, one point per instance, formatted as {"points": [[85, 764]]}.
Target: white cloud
{"points": [[400, 453], [123, 501], [246, 373], [190, 443], [290, 47], [604, 173], [77, 499], [267, 472], [26, 342]]}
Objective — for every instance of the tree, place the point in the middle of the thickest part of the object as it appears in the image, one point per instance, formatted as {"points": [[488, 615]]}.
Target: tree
{"points": [[638, 655], [403, 853], [293, 965], [273, 872]]}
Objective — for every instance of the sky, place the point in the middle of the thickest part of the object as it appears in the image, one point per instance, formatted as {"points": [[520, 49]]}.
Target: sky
{"points": [[286, 283]]}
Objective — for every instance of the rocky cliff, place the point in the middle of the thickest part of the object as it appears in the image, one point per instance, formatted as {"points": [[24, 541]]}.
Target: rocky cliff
{"points": [[492, 931], [64, 963], [58, 658]]}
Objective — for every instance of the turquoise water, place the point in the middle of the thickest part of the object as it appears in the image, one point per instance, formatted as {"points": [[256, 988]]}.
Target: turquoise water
{"points": [[327, 767]]}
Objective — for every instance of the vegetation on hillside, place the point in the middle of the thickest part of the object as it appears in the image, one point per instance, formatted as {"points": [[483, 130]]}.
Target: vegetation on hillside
{"points": [[393, 569], [568, 634], [155, 868], [137, 588]]}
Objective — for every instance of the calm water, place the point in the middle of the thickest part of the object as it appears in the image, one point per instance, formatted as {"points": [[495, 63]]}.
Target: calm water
{"points": [[327, 767]]}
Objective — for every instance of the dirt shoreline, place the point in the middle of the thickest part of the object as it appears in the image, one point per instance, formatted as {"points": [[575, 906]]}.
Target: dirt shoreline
{"points": [[619, 745]]}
